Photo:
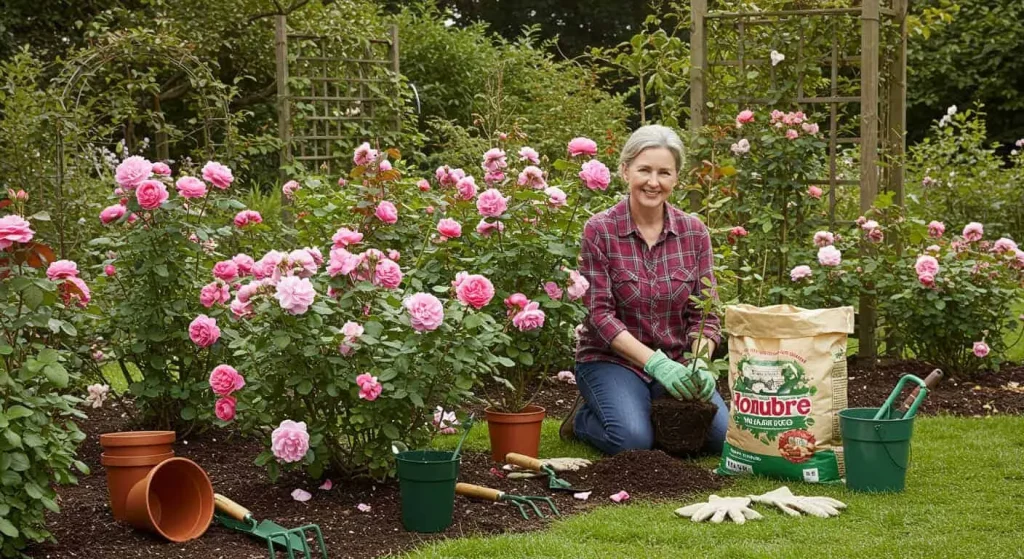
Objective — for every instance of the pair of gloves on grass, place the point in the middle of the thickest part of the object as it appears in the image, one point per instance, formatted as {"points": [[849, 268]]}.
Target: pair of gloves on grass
{"points": [[737, 509], [683, 382]]}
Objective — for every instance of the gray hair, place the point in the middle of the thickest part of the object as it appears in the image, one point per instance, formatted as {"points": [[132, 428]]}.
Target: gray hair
{"points": [[652, 136]]}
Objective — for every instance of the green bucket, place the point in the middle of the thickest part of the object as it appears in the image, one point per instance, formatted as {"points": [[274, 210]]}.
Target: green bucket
{"points": [[876, 443], [427, 486]]}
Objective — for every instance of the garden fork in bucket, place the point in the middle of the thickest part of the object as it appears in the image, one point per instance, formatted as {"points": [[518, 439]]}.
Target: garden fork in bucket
{"points": [[236, 517], [520, 501]]}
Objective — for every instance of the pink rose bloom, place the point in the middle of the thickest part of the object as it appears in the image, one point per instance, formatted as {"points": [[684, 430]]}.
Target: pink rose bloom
{"points": [[190, 187], [566, 377], [111, 214], [738, 231], [466, 186], [582, 146], [745, 117], [243, 262], [247, 217], [792, 134], [225, 408], [926, 279], [933, 248], [342, 181], [529, 154], [1004, 245], [595, 175], [151, 194], [224, 380], [448, 176], [394, 254], [265, 267], [342, 262], [203, 331], [225, 270], [345, 237], [530, 318], [315, 254], [475, 290], [429, 210], [515, 302], [741, 147], [290, 441], [248, 290], [484, 228], [980, 349], [829, 256], [861, 220], [494, 160], [1018, 258], [161, 168], [384, 166], [578, 285], [387, 274], [553, 291], [800, 272], [926, 265], [110, 270], [493, 177], [425, 311], [533, 177], [973, 231], [300, 263], [295, 294], [289, 188], [824, 239], [218, 175], [364, 154], [809, 127], [556, 197], [491, 203], [936, 229], [869, 225], [62, 269], [14, 229], [240, 309], [369, 388], [387, 212], [449, 228], [815, 192], [213, 293], [352, 331], [777, 116], [876, 235], [132, 171], [74, 290]]}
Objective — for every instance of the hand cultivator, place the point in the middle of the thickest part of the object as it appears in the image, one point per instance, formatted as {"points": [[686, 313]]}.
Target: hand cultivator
{"points": [[236, 517], [520, 501]]}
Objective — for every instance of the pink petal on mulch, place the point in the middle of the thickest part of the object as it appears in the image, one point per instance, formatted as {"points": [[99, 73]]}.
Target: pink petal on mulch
{"points": [[363, 507], [497, 472], [620, 496], [583, 495], [301, 496], [327, 485]]}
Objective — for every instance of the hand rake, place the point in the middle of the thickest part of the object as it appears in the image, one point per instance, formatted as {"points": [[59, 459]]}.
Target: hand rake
{"points": [[520, 501], [555, 483], [236, 517]]}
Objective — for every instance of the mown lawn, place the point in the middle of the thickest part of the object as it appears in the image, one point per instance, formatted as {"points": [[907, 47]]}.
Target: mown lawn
{"points": [[964, 498]]}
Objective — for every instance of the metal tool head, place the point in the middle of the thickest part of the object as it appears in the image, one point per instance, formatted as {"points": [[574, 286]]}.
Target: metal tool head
{"points": [[522, 501], [278, 537], [556, 483]]}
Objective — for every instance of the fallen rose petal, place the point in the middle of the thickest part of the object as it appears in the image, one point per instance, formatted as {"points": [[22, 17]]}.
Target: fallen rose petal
{"points": [[620, 496], [363, 507], [301, 496], [497, 472], [583, 495], [327, 485]]}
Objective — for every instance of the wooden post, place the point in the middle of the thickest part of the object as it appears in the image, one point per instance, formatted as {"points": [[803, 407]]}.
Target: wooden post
{"points": [[868, 152], [698, 65], [398, 80], [284, 117], [897, 132]]}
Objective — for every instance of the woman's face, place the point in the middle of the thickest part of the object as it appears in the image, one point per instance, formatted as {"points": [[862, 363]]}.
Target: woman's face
{"points": [[651, 177]]}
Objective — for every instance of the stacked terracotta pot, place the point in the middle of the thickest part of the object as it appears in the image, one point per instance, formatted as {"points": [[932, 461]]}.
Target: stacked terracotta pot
{"points": [[151, 489]]}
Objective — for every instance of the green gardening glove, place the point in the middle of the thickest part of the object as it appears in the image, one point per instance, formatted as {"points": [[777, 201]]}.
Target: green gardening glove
{"points": [[704, 379], [677, 378]]}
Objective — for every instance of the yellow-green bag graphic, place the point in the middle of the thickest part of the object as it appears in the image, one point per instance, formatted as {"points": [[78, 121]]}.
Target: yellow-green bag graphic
{"points": [[787, 377]]}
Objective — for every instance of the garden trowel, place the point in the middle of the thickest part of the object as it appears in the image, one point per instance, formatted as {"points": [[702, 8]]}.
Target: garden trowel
{"points": [[236, 517], [555, 483]]}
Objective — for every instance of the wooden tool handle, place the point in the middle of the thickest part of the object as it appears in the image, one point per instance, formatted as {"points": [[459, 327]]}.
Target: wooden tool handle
{"points": [[230, 508], [930, 382], [478, 491], [524, 461]]}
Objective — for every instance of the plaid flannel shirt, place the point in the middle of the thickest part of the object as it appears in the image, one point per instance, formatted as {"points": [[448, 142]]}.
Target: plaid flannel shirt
{"points": [[643, 290]]}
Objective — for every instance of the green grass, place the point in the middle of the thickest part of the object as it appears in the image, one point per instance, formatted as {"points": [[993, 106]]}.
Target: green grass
{"points": [[115, 377], [964, 498], [1015, 353]]}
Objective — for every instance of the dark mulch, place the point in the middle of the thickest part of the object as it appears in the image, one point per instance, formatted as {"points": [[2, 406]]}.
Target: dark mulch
{"points": [[85, 529], [555, 396]]}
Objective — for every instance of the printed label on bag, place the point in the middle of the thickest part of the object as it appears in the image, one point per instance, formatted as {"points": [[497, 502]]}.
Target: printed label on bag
{"points": [[811, 475]]}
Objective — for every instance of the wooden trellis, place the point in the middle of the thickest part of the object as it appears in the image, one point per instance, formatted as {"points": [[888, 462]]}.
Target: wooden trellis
{"points": [[872, 81], [327, 94]]}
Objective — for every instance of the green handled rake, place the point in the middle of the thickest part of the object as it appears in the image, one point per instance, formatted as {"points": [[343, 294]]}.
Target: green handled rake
{"points": [[233, 516]]}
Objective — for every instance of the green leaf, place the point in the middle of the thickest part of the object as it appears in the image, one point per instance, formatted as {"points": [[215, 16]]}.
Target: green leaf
{"points": [[463, 382], [48, 356], [8, 529], [161, 270], [19, 462], [415, 398], [304, 387], [188, 413], [13, 438], [17, 412], [387, 375], [10, 479], [57, 374], [526, 358], [390, 431], [282, 341], [33, 297], [33, 490]]}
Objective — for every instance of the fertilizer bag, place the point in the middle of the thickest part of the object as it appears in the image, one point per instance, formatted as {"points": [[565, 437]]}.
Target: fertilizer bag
{"points": [[787, 376]]}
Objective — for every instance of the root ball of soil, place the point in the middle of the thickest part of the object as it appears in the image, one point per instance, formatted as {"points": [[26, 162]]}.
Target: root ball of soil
{"points": [[680, 426]]}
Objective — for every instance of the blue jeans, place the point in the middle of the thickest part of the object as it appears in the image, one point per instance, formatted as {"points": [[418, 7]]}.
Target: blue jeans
{"points": [[616, 413]]}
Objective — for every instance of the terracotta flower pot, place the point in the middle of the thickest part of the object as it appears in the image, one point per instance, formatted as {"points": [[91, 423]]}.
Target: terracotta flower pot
{"points": [[123, 472], [174, 500], [515, 432], [137, 443]]}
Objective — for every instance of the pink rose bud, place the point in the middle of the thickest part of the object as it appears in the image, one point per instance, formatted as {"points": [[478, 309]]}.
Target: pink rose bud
{"points": [[110, 270]]}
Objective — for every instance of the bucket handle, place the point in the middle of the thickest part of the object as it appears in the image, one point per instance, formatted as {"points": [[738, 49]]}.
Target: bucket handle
{"points": [[885, 445], [884, 410]]}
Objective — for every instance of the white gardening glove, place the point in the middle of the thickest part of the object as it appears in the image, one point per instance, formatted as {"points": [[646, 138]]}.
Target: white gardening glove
{"points": [[717, 508], [793, 505], [556, 464]]}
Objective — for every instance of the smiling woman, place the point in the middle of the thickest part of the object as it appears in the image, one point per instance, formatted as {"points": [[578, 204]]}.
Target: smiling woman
{"points": [[643, 259]]}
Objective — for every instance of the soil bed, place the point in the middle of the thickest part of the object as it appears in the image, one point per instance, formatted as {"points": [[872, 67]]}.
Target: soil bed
{"points": [[85, 528]]}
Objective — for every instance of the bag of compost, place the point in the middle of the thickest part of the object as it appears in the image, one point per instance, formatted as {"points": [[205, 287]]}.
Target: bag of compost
{"points": [[787, 376]]}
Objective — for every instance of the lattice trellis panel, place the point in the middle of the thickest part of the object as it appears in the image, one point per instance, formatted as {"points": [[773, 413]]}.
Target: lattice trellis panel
{"points": [[333, 92]]}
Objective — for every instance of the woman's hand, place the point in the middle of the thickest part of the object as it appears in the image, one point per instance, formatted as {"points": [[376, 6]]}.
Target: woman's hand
{"points": [[677, 378]]}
